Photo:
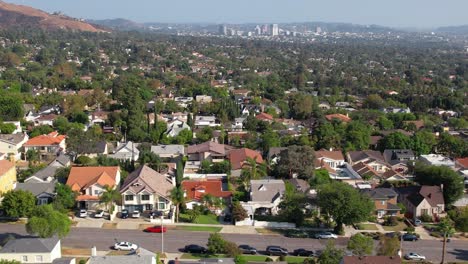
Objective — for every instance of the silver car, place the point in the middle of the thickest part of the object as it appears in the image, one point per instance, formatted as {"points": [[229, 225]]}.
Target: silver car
{"points": [[414, 256]]}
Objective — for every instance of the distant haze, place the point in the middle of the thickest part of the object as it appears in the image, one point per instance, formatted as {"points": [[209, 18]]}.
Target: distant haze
{"points": [[394, 13]]}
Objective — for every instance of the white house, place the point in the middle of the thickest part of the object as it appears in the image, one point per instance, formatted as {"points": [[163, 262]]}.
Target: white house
{"points": [[32, 250], [168, 151], [205, 121], [437, 160], [126, 151], [11, 144], [175, 127]]}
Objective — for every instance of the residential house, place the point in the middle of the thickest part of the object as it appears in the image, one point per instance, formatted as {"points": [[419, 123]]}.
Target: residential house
{"points": [[385, 201], [32, 250], [340, 117], [399, 158], [371, 260], [264, 117], [209, 150], [183, 101], [10, 144], [98, 118], [240, 93], [238, 158], [366, 172], [437, 160], [274, 154], [332, 159], [146, 190], [238, 124], [422, 200], [372, 158], [194, 190], [460, 163], [266, 195], [126, 151], [47, 174], [49, 109], [43, 191], [49, 146], [203, 99], [7, 176], [392, 175], [45, 120], [396, 110], [90, 182], [238, 138], [205, 121], [92, 149], [175, 127], [324, 106], [168, 151], [141, 256]]}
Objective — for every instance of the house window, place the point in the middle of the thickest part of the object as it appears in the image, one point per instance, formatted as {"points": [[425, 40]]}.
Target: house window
{"points": [[383, 202], [424, 212], [38, 258], [25, 258], [162, 204], [128, 197], [42, 201], [145, 197]]}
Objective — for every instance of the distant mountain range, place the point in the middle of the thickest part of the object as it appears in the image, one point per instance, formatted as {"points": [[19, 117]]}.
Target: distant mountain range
{"points": [[19, 16], [459, 30]]}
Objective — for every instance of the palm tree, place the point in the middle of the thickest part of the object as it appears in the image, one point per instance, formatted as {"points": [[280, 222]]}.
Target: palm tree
{"points": [[446, 228], [177, 196], [252, 170], [109, 196]]}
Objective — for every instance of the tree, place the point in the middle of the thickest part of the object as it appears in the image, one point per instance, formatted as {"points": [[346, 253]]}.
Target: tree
{"points": [[396, 140], [7, 128], [270, 139], [18, 203], [344, 203], [238, 212], [216, 243], [452, 182], [357, 136], [33, 156], [460, 217], [64, 198], [422, 142], [321, 176], [110, 196], [445, 227], [388, 246], [331, 255], [47, 222], [374, 101], [11, 107], [177, 197], [298, 160], [252, 170], [361, 245], [292, 207]]}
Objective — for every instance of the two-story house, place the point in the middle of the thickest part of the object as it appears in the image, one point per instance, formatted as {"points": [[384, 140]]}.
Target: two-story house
{"points": [[205, 121], [90, 183], [47, 174], [33, 250], [7, 176], [371, 158], [422, 200], [126, 151], [385, 200], [10, 144], [329, 159], [49, 146], [399, 159], [266, 195], [146, 190]]}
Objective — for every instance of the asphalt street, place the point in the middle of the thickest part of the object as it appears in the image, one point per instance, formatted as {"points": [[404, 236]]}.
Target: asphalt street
{"points": [[174, 240]]}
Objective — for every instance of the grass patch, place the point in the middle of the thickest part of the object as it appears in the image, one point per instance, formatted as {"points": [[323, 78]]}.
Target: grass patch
{"points": [[209, 219], [109, 226], [201, 256], [199, 228], [294, 259], [270, 231], [367, 227], [118, 253], [398, 228], [76, 251], [259, 258]]}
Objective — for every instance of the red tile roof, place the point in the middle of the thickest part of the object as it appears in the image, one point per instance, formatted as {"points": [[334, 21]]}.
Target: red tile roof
{"points": [[339, 117], [264, 116], [5, 166], [196, 189], [239, 156], [462, 162], [51, 139], [81, 178]]}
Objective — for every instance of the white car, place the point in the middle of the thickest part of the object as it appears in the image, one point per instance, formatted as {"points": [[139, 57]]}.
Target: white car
{"points": [[124, 245], [136, 214], [326, 235], [99, 214], [83, 213], [414, 256]]}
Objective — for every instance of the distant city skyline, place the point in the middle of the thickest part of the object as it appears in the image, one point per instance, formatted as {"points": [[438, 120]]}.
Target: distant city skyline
{"points": [[395, 13]]}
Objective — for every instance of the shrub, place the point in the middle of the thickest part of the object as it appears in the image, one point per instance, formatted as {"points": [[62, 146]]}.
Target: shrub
{"points": [[410, 229], [268, 259], [372, 219], [425, 218], [391, 221], [231, 250], [282, 258]]}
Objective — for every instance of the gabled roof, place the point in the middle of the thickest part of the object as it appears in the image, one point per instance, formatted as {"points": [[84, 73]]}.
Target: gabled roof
{"points": [[195, 189], [266, 190], [30, 245], [37, 188], [264, 116], [13, 139], [341, 117], [380, 193], [360, 155], [334, 155], [145, 178], [208, 146], [5, 166], [83, 177], [168, 149], [239, 156], [275, 151], [462, 162], [363, 169], [433, 195], [392, 174], [45, 140]]}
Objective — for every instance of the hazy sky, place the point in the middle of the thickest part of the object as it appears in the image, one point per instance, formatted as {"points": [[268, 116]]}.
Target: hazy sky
{"points": [[399, 13]]}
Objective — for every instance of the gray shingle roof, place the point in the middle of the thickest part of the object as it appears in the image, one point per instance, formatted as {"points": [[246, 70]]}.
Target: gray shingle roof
{"points": [[145, 177], [168, 150], [12, 138], [266, 190], [37, 188], [30, 245], [130, 259]]}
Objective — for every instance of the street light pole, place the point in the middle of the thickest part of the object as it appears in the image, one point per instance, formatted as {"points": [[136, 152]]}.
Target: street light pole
{"points": [[162, 235]]}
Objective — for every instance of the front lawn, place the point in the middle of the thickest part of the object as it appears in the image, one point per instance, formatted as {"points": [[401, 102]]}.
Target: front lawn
{"points": [[367, 227], [209, 219], [398, 228], [294, 259], [213, 229], [255, 258], [201, 256]]}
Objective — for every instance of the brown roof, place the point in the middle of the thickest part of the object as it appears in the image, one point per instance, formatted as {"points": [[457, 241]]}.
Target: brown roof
{"points": [[264, 116], [371, 260], [196, 189], [335, 155], [239, 156], [360, 155], [5, 166], [433, 194], [82, 177], [147, 179], [339, 117], [208, 146], [463, 162]]}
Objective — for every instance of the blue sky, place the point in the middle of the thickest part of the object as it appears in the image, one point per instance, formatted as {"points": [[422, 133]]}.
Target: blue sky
{"points": [[397, 13]]}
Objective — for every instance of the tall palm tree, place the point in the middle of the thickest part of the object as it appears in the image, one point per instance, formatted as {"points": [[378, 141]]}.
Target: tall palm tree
{"points": [[110, 196], [177, 197], [252, 170], [446, 228]]}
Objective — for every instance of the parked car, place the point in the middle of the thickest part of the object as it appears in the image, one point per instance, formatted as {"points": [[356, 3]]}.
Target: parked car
{"points": [[83, 213], [417, 222], [297, 234], [155, 214], [194, 249], [99, 214], [124, 214], [325, 235], [156, 229], [124, 245], [276, 251], [246, 249], [136, 214], [410, 237], [414, 256], [303, 252]]}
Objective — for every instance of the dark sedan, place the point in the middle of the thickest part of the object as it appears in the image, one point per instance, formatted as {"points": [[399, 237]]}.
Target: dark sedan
{"points": [[246, 249], [303, 252], [194, 249]]}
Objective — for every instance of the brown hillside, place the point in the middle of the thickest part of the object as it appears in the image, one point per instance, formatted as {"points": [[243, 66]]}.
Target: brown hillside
{"points": [[24, 16]]}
